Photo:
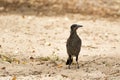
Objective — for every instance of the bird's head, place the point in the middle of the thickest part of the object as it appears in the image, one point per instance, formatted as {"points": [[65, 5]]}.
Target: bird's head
{"points": [[74, 27]]}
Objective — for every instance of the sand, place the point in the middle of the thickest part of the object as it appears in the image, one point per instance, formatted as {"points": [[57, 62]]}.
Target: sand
{"points": [[34, 48]]}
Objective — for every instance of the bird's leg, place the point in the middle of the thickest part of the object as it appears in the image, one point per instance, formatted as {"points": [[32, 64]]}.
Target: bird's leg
{"points": [[70, 61], [69, 66], [77, 62]]}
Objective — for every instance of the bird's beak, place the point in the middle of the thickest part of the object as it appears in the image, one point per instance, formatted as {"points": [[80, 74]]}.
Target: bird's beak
{"points": [[79, 26]]}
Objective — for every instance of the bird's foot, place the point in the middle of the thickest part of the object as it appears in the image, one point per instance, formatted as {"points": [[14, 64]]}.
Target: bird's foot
{"points": [[69, 67], [78, 67]]}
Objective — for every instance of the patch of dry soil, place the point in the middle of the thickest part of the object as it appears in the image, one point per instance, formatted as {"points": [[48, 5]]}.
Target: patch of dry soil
{"points": [[33, 48]]}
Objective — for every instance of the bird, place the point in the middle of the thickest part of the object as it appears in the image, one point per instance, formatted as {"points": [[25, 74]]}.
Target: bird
{"points": [[73, 45]]}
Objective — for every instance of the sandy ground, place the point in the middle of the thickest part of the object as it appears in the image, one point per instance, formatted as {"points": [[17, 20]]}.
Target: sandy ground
{"points": [[33, 48]]}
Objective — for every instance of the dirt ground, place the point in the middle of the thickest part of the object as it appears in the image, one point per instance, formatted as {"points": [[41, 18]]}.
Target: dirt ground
{"points": [[34, 47]]}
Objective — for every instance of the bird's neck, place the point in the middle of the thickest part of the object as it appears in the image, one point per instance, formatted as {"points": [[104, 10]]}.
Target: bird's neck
{"points": [[72, 33]]}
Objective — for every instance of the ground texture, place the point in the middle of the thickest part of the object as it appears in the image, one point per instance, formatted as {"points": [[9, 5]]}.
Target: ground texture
{"points": [[33, 46]]}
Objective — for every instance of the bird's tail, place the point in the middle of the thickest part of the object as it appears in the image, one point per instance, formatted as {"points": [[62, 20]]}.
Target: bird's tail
{"points": [[69, 61]]}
